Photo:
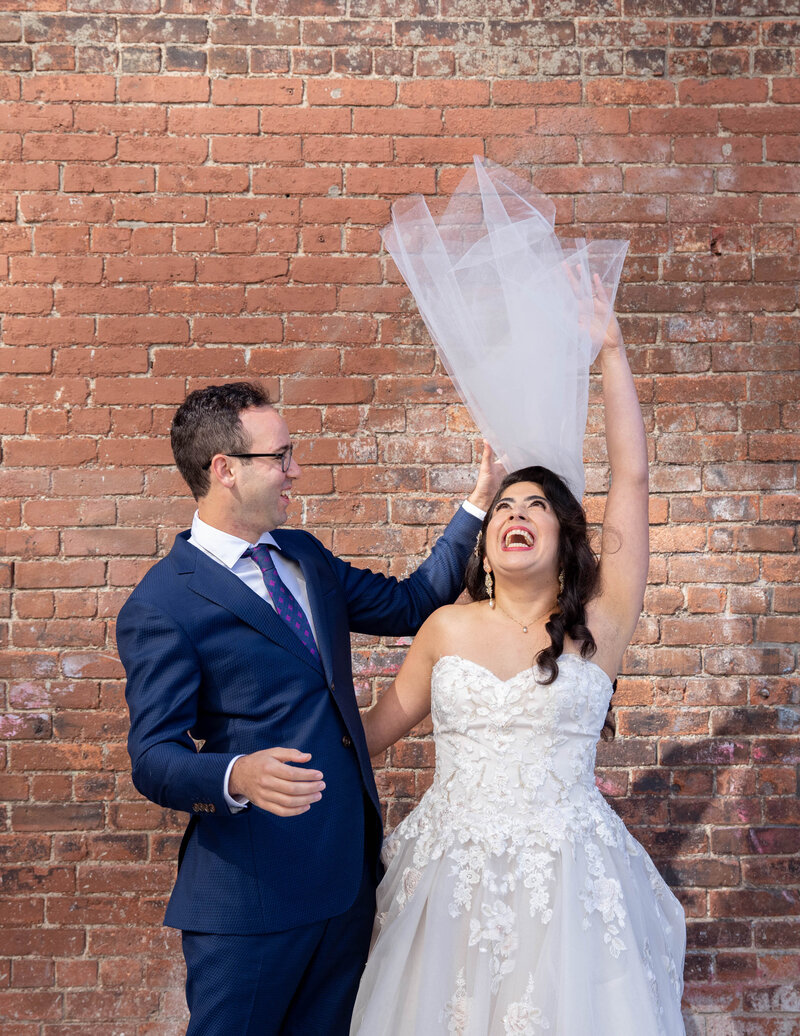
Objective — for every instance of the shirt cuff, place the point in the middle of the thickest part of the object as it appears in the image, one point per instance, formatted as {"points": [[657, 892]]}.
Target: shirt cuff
{"points": [[476, 512], [235, 803]]}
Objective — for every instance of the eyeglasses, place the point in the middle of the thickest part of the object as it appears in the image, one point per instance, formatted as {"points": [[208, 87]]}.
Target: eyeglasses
{"points": [[284, 456]]}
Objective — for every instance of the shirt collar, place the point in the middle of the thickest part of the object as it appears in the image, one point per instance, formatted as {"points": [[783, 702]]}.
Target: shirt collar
{"points": [[226, 548]]}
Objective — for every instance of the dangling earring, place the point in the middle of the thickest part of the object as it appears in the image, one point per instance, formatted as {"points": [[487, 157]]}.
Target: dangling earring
{"points": [[561, 582], [488, 582]]}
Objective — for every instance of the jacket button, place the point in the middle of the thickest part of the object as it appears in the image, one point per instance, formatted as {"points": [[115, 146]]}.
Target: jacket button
{"points": [[347, 741]]}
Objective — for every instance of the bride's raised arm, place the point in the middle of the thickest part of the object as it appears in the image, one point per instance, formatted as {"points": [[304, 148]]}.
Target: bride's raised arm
{"points": [[407, 701], [624, 554]]}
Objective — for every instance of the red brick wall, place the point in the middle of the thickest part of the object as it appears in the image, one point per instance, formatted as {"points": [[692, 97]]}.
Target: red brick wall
{"points": [[192, 191]]}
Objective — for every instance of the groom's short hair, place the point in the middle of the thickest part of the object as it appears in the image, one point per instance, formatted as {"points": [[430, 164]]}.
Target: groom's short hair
{"points": [[208, 422]]}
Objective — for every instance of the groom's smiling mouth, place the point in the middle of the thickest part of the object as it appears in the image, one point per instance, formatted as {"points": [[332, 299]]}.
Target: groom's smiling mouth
{"points": [[518, 538]]}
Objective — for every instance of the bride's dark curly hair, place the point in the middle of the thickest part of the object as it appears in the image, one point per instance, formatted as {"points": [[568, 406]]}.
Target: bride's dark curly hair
{"points": [[576, 561]]}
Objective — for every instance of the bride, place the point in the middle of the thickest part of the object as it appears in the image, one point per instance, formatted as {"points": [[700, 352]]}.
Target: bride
{"points": [[514, 900]]}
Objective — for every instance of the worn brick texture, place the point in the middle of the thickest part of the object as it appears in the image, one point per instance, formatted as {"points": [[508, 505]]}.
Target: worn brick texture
{"points": [[192, 190]]}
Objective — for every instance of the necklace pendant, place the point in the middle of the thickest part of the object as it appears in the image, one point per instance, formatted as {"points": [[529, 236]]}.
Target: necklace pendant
{"points": [[524, 629]]}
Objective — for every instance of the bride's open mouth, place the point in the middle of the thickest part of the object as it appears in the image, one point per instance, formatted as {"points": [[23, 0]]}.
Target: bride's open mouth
{"points": [[518, 538]]}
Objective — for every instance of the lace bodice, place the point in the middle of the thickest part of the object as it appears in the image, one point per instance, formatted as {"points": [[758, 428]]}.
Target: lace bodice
{"points": [[531, 742], [514, 758]]}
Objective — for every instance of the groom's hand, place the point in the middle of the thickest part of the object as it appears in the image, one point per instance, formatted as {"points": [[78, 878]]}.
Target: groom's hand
{"points": [[266, 779], [490, 476]]}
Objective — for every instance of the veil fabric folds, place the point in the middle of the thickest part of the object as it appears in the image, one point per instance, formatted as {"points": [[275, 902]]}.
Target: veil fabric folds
{"points": [[511, 310]]}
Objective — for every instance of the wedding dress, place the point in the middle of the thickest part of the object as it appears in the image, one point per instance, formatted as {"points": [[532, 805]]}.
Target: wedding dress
{"points": [[515, 901]]}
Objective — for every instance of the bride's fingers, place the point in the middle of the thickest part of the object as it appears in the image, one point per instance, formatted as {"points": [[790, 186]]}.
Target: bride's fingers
{"points": [[599, 290]]}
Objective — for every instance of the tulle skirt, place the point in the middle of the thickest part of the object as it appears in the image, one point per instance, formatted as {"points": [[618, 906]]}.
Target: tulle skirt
{"points": [[589, 943]]}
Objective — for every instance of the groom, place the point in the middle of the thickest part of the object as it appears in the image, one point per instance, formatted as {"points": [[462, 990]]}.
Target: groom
{"points": [[240, 639]]}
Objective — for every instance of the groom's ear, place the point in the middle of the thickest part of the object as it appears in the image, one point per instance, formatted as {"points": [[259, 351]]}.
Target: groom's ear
{"points": [[221, 471]]}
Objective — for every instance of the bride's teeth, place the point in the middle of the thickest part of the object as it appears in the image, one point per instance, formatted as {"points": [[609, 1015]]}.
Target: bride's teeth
{"points": [[520, 536]]}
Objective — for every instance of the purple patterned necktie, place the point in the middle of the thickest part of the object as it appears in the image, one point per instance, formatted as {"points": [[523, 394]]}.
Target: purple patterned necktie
{"points": [[285, 603]]}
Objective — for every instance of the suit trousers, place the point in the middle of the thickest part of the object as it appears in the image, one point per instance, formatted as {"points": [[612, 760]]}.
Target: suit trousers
{"points": [[299, 982]]}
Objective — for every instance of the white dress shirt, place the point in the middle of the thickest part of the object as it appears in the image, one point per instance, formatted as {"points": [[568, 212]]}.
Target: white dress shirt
{"points": [[228, 550]]}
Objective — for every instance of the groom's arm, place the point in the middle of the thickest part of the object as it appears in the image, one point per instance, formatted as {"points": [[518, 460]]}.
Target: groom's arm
{"points": [[385, 605], [164, 676], [379, 605]]}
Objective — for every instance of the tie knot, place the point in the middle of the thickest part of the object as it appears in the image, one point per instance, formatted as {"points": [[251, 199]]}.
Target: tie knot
{"points": [[260, 554]]}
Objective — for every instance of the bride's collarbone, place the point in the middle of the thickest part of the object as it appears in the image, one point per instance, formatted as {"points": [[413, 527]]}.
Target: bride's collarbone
{"points": [[503, 655]]}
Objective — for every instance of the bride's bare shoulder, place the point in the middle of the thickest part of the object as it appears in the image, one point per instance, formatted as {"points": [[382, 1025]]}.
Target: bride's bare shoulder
{"points": [[454, 618]]}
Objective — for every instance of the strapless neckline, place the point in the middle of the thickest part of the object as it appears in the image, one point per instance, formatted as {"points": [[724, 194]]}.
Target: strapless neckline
{"points": [[523, 672]]}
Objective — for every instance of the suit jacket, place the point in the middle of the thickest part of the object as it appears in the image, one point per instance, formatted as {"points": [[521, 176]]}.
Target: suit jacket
{"points": [[205, 655]]}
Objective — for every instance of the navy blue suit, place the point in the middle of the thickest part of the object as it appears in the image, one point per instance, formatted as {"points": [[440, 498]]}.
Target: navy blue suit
{"points": [[204, 654]]}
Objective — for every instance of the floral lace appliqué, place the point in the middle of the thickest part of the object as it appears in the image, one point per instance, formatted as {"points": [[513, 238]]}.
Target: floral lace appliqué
{"points": [[457, 1009], [522, 1018]]}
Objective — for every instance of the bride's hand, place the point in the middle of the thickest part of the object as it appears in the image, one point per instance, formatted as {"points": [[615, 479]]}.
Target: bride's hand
{"points": [[490, 476], [595, 311], [604, 316]]}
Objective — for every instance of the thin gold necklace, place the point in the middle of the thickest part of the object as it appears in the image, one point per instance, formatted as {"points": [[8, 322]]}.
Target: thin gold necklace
{"points": [[524, 625]]}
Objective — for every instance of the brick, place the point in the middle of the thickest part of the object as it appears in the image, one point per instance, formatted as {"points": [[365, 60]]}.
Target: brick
{"points": [[28, 1003], [262, 32], [162, 149], [26, 176], [185, 59], [245, 330], [275, 149], [91, 542], [44, 942], [48, 330], [246, 91], [26, 360], [67, 270], [172, 268], [175, 179], [68, 452], [741, 91], [611, 208], [349, 92], [36, 574], [69, 147], [61, 239], [110, 299], [205, 121], [69, 88], [289, 181], [336, 390], [109, 179], [342, 270], [48, 207], [217, 269], [130, 391]]}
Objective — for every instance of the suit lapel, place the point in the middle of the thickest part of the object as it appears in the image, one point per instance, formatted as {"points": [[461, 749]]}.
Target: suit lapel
{"points": [[217, 584]]}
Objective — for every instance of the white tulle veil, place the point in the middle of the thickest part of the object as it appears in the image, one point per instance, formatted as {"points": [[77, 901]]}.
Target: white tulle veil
{"points": [[511, 311]]}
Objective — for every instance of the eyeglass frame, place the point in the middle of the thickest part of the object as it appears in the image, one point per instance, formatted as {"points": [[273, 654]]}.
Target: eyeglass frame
{"points": [[284, 456]]}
